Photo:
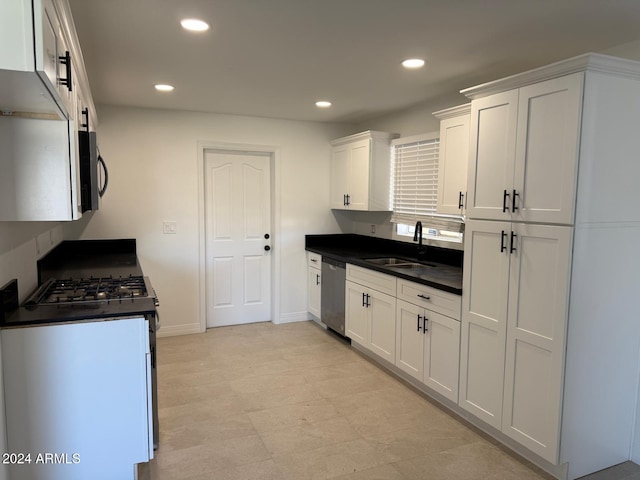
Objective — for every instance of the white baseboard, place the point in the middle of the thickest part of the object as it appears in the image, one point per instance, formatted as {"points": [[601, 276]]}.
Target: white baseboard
{"points": [[293, 317], [175, 330]]}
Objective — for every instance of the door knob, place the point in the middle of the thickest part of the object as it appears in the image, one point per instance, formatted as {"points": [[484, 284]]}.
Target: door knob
{"points": [[267, 248]]}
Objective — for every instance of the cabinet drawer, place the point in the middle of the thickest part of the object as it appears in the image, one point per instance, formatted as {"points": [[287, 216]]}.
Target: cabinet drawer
{"points": [[314, 260], [370, 278], [439, 301]]}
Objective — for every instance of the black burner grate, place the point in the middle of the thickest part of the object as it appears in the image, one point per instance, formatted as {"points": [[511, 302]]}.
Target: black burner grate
{"points": [[92, 289]]}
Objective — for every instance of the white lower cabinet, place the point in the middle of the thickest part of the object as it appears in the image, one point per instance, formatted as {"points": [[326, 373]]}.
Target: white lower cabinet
{"points": [[370, 311], [81, 391], [314, 284], [416, 337], [371, 319], [514, 318], [428, 347]]}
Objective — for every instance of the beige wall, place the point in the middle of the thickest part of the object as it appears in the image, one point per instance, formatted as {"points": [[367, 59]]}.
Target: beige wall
{"points": [[154, 177]]}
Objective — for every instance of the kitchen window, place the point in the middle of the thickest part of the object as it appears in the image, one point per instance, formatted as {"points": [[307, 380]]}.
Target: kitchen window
{"points": [[414, 190]]}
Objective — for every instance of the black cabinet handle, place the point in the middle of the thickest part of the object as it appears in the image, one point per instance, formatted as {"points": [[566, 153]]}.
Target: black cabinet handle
{"points": [[66, 61], [317, 279], [513, 237], [460, 203], [424, 326], [314, 260], [348, 199], [419, 318], [424, 297], [513, 201], [365, 300], [85, 115], [344, 200], [267, 248], [503, 247], [504, 201]]}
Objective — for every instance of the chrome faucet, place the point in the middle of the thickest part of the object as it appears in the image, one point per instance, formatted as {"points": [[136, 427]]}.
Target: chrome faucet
{"points": [[417, 237]]}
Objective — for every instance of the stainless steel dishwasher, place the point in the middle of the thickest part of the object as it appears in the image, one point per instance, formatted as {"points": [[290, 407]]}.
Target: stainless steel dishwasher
{"points": [[332, 294]]}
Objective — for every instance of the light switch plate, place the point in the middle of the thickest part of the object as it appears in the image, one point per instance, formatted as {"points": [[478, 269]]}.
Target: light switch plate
{"points": [[169, 227]]}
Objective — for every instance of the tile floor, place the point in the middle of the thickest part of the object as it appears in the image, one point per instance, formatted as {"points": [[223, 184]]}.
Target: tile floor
{"points": [[293, 402]]}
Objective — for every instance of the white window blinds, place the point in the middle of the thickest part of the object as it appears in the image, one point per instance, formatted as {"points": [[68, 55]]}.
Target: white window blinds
{"points": [[415, 178]]}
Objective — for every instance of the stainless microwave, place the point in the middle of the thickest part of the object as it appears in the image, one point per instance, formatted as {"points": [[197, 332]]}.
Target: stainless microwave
{"points": [[91, 186]]}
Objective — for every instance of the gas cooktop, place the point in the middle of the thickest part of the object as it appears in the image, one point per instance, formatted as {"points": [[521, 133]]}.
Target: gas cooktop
{"points": [[56, 291]]}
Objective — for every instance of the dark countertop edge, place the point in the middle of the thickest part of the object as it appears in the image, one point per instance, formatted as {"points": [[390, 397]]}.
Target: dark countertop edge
{"points": [[74, 313], [13, 320], [358, 260]]}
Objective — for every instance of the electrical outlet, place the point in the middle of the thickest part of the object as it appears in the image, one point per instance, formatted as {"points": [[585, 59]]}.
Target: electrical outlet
{"points": [[169, 228]]}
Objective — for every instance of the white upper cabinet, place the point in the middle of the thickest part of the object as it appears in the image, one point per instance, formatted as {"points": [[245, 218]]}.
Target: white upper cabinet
{"points": [[454, 158], [38, 52], [523, 155], [491, 157], [43, 84], [360, 169]]}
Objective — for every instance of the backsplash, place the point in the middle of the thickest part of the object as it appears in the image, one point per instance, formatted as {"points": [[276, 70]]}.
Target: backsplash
{"points": [[19, 261]]}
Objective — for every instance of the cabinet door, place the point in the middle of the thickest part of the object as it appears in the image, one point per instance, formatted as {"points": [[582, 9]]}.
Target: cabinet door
{"points": [[382, 325], [538, 308], [410, 339], [314, 287], [547, 150], [452, 164], [442, 354], [48, 42], [356, 324], [484, 316], [491, 155], [358, 175], [339, 175], [93, 376]]}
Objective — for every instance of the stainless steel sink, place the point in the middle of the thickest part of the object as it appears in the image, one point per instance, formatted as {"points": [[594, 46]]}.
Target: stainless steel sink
{"points": [[394, 262]]}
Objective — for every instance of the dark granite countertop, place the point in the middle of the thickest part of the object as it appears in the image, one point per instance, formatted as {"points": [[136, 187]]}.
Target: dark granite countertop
{"points": [[78, 312], [444, 270], [84, 259]]}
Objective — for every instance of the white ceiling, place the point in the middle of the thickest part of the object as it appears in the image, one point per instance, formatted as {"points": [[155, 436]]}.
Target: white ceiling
{"points": [[275, 58]]}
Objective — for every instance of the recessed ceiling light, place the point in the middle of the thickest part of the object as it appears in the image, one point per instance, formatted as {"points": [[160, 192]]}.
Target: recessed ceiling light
{"points": [[413, 63], [163, 88], [194, 25], [323, 104]]}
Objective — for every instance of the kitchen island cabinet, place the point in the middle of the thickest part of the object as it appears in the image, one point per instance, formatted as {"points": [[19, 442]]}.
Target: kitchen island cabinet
{"points": [[360, 169], [81, 391], [549, 355]]}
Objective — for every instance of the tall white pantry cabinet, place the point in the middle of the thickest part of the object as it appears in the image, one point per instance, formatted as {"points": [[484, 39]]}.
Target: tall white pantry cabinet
{"points": [[550, 334]]}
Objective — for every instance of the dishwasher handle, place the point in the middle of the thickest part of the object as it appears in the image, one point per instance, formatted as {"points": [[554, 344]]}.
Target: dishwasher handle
{"points": [[333, 264]]}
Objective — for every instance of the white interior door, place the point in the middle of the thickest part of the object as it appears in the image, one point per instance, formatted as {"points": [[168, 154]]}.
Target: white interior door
{"points": [[238, 237]]}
